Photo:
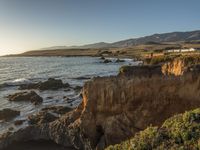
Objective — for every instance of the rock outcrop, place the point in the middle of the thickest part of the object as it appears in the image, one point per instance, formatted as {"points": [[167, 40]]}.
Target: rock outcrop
{"points": [[114, 109], [119, 60], [181, 65], [8, 114], [31, 96], [107, 61], [48, 114], [50, 84]]}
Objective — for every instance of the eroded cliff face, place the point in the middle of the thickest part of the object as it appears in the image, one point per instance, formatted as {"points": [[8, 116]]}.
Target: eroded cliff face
{"points": [[180, 65], [122, 106], [114, 109]]}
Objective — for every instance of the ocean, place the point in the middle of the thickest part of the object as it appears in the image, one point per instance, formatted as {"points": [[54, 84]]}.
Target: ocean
{"points": [[15, 71]]}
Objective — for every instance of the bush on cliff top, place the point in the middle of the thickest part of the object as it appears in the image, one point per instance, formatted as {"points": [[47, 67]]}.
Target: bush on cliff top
{"points": [[160, 59], [179, 132], [191, 60], [188, 59]]}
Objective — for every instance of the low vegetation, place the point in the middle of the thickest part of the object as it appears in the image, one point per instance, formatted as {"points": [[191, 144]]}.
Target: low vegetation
{"points": [[180, 132], [191, 60], [160, 59]]}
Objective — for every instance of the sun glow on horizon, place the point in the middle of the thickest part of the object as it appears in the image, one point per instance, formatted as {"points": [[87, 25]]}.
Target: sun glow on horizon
{"points": [[35, 24]]}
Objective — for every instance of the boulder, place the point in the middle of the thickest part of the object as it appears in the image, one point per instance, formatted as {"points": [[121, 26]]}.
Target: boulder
{"points": [[119, 60], [48, 114], [78, 88], [50, 84], [57, 109], [8, 114], [19, 122], [41, 117], [107, 61], [102, 58], [31, 96]]}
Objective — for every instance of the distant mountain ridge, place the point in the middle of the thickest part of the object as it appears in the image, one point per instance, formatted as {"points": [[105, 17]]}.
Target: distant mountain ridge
{"points": [[156, 38]]}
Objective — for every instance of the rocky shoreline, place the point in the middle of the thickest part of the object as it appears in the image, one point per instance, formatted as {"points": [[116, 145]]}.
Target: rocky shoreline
{"points": [[114, 109]]}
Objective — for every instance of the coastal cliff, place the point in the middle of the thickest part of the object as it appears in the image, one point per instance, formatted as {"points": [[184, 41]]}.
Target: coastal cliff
{"points": [[180, 65], [114, 109]]}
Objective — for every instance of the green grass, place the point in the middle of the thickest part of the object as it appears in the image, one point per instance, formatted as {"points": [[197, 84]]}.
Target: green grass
{"points": [[181, 132]]}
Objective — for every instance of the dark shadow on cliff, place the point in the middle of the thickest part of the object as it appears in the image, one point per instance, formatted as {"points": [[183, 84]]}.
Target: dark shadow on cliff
{"points": [[37, 145]]}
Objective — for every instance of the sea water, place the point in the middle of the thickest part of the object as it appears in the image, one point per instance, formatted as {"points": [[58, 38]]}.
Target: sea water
{"points": [[15, 71]]}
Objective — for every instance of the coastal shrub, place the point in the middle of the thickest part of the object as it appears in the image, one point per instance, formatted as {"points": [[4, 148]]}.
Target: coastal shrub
{"points": [[191, 60], [160, 59], [180, 132]]}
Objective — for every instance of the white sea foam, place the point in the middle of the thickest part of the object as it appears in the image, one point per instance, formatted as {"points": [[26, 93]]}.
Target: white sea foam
{"points": [[18, 82]]}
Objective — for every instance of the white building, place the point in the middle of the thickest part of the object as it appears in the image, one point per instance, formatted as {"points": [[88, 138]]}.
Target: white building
{"points": [[181, 50]]}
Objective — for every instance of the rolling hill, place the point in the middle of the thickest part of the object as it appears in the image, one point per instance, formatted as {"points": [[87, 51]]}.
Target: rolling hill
{"points": [[155, 38]]}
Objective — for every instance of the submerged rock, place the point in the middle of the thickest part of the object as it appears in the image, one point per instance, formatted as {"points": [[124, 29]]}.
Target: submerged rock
{"points": [[107, 61], [48, 114], [31, 96], [19, 122], [102, 58], [119, 60], [50, 84], [8, 114]]}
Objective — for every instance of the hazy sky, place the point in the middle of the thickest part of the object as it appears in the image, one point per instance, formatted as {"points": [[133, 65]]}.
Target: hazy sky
{"points": [[33, 24]]}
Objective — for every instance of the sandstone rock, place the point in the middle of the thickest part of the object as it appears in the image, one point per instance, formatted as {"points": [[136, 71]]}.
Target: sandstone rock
{"points": [[41, 117], [50, 84], [31, 96], [48, 114], [180, 65], [8, 114]]}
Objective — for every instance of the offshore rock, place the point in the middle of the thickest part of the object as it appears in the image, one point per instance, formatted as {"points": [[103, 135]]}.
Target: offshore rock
{"points": [[31, 96], [50, 84], [8, 114]]}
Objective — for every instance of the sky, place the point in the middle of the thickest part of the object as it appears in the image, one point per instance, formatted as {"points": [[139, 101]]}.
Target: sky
{"points": [[34, 24]]}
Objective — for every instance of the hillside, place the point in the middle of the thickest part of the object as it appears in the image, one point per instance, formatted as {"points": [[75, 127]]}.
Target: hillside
{"points": [[178, 132], [126, 48], [160, 38], [157, 38]]}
